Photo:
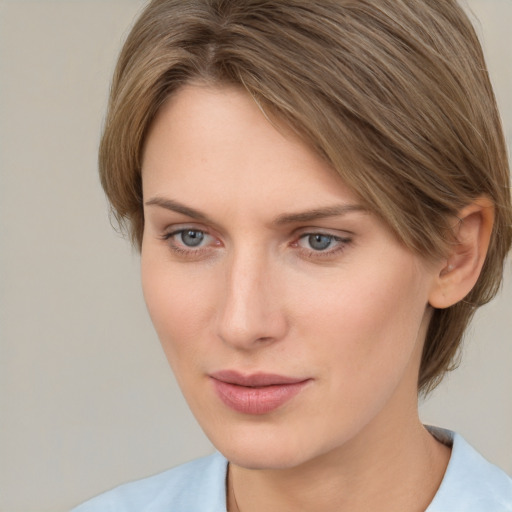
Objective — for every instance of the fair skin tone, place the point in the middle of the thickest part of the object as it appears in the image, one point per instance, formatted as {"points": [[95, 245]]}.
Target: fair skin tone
{"points": [[257, 259]]}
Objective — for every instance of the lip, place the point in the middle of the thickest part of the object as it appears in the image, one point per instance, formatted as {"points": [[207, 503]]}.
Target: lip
{"points": [[257, 393]]}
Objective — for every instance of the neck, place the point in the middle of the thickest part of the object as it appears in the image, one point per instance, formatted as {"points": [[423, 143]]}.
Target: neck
{"points": [[385, 468]]}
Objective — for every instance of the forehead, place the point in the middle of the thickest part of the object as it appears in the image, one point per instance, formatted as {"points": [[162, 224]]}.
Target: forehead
{"points": [[217, 142]]}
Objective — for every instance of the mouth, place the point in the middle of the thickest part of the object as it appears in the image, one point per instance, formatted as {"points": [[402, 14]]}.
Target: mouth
{"points": [[258, 393]]}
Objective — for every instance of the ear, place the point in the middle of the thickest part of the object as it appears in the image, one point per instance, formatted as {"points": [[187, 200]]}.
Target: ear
{"points": [[459, 272]]}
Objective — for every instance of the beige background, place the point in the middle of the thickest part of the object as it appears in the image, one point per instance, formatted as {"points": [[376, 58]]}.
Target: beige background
{"points": [[86, 399]]}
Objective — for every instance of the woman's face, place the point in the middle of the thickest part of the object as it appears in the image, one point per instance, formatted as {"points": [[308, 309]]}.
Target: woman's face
{"points": [[292, 317]]}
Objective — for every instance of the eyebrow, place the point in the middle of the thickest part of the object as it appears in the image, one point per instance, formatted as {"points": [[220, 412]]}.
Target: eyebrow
{"points": [[318, 213], [170, 204], [286, 218]]}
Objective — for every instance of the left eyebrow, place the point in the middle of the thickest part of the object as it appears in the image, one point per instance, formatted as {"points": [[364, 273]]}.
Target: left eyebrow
{"points": [[318, 213]]}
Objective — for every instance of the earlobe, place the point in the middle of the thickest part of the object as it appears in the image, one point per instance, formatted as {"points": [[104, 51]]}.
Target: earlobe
{"points": [[459, 272]]}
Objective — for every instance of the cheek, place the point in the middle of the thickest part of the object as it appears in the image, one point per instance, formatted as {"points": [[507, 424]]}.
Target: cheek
{"points": [[364, 344], [179, 304], [368, 319]]}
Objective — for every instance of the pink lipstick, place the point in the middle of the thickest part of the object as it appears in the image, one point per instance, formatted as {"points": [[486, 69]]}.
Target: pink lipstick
{"points": [[258, 393]]}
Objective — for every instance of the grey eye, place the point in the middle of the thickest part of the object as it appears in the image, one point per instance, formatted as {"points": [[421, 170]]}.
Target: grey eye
{"points": [[191, 237], [320, 242]]}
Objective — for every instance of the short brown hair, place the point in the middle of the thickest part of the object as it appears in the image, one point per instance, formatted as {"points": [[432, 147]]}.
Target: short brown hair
{"points": [[393, 93]]}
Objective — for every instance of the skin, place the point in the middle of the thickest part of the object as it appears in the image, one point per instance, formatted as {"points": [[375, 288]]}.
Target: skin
{"points": [[255, 296]]}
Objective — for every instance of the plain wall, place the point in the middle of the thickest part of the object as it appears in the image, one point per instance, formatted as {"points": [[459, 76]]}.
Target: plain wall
{"points": [[86, 398]]}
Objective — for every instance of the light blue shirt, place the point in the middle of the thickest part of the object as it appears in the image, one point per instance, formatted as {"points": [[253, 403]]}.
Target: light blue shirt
{"points": [[470, 484]]}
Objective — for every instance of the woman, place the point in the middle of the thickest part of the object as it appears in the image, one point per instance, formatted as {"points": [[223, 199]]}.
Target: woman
{"points": [[319, 191]]}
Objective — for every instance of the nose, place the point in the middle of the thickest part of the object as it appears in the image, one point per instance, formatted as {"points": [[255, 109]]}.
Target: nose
{"points": [[251, 312]]}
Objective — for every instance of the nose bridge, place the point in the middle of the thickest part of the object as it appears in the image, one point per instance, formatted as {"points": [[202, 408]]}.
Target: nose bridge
{"points": [[249, 314]]}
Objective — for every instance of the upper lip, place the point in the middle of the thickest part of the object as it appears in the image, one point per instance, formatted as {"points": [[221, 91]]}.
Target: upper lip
{"points": [[258, 379]]}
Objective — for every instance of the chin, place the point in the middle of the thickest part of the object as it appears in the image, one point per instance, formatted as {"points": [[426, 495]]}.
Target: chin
{"points": [[266, 449], [249, 458]]}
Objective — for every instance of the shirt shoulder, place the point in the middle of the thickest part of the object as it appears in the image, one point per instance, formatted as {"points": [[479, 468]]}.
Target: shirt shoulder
{"points": [[198, 486], [471, 483]]}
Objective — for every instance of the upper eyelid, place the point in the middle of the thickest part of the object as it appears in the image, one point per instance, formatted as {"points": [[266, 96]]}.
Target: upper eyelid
{"points": [[338, 239], [174, 232], [324, 233], [335, 232], [179, 228], [209, 228]]}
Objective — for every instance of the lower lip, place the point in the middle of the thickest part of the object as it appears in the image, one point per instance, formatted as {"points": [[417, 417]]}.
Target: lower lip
{"points": [[257, 400]]}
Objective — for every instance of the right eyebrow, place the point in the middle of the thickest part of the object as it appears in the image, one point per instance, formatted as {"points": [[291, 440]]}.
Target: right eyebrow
{"points": [[175, 206]]}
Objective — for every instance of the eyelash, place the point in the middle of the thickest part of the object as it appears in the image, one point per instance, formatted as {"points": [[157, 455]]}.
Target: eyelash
{"points": [[342, 243], [181, 250]]}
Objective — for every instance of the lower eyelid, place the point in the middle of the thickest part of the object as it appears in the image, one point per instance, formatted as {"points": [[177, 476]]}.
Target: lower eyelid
{"points": [[327, 254]]}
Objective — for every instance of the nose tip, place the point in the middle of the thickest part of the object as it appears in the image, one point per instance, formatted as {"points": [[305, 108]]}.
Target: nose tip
{"points": [[248, 322], [244, 337], [250, 314]]}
